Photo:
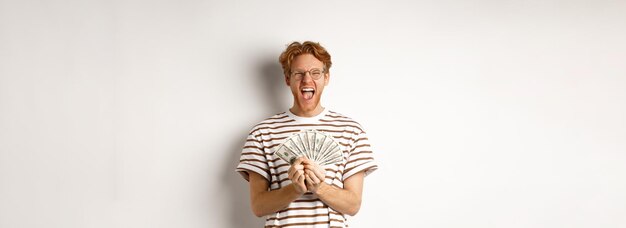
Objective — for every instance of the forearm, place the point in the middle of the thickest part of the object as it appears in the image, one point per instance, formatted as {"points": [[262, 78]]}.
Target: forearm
{"points": [[341, 200], [267, 202]]}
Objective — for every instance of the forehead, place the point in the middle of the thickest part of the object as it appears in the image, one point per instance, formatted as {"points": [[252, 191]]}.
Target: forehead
{"points": [[306, 62]]}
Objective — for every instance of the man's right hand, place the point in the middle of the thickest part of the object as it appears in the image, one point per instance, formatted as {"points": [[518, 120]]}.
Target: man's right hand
{"points": [[296, 175]]}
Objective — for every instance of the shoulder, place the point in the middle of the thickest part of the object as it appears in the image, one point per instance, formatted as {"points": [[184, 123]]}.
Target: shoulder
{"points": [[272, 121], [339, 118]]}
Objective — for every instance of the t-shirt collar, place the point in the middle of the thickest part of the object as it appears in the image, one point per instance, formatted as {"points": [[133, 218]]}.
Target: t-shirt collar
{"points": [[312, 119]]}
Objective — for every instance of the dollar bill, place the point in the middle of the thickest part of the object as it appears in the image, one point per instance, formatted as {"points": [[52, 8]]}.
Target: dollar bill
{"points": [[311, 134], [317, 146], [285, 154]]}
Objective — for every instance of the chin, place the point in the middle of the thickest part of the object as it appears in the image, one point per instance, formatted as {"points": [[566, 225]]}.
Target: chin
{"points": [[308, 105]]}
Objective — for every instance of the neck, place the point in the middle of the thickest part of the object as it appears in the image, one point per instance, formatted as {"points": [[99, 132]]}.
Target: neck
{"points": [[306, 113]]}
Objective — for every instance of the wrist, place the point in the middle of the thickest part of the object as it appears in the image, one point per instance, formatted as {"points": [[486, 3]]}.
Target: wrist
{"points": [[322, 189], [296, 190]]}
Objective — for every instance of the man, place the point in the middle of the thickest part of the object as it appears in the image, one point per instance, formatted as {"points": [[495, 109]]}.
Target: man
{"points": [[304, 194]]}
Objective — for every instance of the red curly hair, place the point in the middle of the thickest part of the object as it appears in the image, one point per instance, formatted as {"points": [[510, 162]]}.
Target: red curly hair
{"points": [[308, 47]]}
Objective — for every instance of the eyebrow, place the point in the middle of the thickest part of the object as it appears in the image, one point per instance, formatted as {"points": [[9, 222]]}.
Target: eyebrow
{"points": [[300, 70]]}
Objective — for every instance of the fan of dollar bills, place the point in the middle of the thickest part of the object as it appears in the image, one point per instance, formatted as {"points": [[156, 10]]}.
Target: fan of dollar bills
{"points": [[314, 145]]}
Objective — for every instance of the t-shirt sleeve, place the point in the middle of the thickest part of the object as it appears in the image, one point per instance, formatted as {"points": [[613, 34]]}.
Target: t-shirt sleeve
{"points": [[360, 158], [253, 159]]}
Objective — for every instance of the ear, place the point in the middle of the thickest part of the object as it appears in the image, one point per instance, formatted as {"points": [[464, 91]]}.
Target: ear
{"points": [[326, 78], [287, 80]]}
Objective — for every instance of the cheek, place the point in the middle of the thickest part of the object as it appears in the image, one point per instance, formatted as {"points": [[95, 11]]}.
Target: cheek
{"points": [[319, 91], [294, 90]]}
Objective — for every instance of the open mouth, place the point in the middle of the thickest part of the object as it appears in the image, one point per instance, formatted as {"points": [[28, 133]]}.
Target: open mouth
{"points": [[307, 92]]}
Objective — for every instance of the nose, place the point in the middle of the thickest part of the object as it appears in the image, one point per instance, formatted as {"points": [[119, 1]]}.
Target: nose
{"points": [[305, 78]]}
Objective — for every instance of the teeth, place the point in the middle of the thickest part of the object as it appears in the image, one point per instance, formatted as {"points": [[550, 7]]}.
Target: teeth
{"points": [[308, 90]]}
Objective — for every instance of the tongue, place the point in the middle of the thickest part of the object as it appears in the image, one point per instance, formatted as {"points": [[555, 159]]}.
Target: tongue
{"points": [[307, 95]]}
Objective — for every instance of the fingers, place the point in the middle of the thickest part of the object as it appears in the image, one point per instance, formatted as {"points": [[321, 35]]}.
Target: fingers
{"points": [[312, 182], [321, 174], [291, 173], [306, 160], [312, 166], [293, 170], [306, 173], [317, 171], [311, 177], [300, 179], [296, 175], [298, 183], [302, 182], [299, 161], [309, 182], [297, 165]]}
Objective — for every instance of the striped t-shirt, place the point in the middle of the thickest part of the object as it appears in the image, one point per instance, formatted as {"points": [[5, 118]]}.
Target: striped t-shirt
{"points": [[307, 211]]}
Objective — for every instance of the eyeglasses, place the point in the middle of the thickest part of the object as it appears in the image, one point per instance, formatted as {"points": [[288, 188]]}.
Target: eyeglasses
{"points": [[315, 74]]}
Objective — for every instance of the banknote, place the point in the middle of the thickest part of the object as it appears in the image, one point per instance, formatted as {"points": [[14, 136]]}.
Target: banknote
{"points": [[315, 145], [283, 152]]}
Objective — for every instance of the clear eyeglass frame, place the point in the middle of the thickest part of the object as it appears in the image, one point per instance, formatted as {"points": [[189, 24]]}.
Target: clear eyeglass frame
{"points": [[315, 74]]}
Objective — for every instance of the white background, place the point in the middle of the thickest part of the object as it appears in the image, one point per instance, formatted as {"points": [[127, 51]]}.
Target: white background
{"points": [[132, 113]]}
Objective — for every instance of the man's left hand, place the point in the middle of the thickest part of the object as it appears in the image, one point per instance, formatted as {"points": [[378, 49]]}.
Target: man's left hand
{"points": [[314, 174]]}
